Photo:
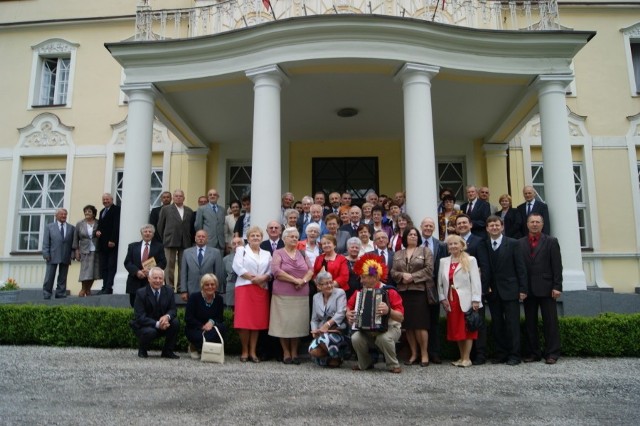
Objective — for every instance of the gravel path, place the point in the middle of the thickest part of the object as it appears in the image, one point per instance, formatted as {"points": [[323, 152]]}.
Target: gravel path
{"points": [[60, 386]]}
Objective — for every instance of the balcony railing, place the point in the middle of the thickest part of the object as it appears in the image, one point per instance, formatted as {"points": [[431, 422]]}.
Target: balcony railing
{"points": [[216, 17]]}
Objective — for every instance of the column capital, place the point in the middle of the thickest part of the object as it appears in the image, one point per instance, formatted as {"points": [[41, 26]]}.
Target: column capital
{"points": [[273, 71], [546, 82], [131, 89], [413, 69], [495, 149]]}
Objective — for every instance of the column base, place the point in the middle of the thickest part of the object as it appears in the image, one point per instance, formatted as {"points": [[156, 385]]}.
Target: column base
{"points": [[120, 283], [573, 280]]}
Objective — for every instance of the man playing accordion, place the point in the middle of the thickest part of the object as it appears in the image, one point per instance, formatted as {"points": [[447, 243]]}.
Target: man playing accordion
{"points": [[372, 269]]}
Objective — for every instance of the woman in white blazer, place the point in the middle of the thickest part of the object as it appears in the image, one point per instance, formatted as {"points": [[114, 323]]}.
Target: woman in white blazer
{"points": [[459, 290], [253, 267]]}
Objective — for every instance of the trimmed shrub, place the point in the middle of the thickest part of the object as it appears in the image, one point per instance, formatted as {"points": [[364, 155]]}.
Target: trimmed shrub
{"points": [[607, 335]]}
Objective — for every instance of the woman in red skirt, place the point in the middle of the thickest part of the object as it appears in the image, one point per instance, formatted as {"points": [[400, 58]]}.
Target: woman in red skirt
{"points": [[459, 290]]}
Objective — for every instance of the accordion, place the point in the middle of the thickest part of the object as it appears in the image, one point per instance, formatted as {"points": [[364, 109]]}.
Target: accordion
{"points": [[367, 317]]}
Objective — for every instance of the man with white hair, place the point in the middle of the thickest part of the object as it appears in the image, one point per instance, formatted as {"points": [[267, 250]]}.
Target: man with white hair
{"points": [[316, 212]]}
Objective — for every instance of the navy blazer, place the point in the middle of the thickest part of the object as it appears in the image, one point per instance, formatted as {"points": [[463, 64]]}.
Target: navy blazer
{"points": [[147, 311], [481, 211], [133, 263], [540, 208], [109, 227], [266, 245]]}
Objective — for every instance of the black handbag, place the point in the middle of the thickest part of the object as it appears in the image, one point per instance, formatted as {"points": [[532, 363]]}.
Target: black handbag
{"points": [[473, 320]]}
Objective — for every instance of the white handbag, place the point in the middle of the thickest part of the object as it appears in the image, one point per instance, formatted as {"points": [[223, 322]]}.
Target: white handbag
{"points": [[212, 352]]}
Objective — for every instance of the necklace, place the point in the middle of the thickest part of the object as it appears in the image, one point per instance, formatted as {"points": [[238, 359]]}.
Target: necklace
{"points": [[208, 304]]}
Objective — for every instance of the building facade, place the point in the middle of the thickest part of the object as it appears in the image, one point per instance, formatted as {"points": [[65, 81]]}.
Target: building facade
{"points": [[308, 95]]}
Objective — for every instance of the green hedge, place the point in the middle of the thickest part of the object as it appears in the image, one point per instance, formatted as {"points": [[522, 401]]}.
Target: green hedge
{"points": [[609, 335]]}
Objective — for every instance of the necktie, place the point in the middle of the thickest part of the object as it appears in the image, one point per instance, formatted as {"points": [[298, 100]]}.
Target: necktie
{"points": [[145, 252], [62, 230], [426, 243], [104, 212], [200, 256], [306, 218], [157, 294], [528, 208], [215, 208], [495, 245], [384, 255], [470, 208], [274, 245]]}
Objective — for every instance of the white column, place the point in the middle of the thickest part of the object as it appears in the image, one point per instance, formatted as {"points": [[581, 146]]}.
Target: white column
{"points": [[419, 151], [266, 177], [136, 184], [559, 184]]}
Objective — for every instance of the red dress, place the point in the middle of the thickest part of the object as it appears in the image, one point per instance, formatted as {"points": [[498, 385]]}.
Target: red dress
{"points": [[456, 328]]}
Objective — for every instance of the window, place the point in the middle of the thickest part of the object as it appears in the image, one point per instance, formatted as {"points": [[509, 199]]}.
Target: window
{"points": [[239, 181], [631, 36], [52, 74], [42, 195], [451, 175], [156, 187], [581, 201], [357, 176], [635, 61]]}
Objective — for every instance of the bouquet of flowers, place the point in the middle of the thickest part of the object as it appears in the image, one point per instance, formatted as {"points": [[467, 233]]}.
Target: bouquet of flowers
{"points": [[9, 285]]}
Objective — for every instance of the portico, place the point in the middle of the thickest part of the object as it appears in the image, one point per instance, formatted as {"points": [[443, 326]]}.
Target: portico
{"points": [[434, 87]]}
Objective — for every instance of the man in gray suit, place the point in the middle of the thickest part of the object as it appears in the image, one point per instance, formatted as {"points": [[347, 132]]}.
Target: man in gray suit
{"points": [[210, 218], [56, 250], [174, 225], [197, 261]]}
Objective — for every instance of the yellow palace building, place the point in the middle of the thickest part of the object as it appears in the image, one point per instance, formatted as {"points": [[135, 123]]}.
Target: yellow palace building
{"points": [[136, 97]]}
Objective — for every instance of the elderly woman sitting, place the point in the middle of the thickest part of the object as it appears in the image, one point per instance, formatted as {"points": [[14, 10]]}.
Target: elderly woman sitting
{"points": [[204, 311], [328, 323]]}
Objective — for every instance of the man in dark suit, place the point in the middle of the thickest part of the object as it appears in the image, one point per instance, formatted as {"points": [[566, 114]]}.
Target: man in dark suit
{"points": [[244, 221], [197, 261], [478, 211], [532, 205], [542, 259], [439, 250], [175, 226], [476, 249], [108, 234], [355, 215], [56, 251], [155, 315], [381, 241], [154, 215], [210, 218], [507, 278], [305, 215], [146, 251]]}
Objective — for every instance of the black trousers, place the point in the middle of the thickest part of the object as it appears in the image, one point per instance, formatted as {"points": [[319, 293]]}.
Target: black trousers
{"points": [[108, 268], [550, 328], [479, 348], [434, 330], [146, 335], [505, 326]]}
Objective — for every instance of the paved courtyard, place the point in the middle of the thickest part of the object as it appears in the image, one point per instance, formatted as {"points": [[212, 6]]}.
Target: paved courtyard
{"points": [[46, 385]]}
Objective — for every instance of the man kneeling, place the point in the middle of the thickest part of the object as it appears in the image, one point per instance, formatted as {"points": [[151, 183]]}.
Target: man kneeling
{"points": [[372, 269], [155, 315]]}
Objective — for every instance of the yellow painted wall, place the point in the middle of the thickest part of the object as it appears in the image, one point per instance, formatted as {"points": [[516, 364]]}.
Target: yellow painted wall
{"points": [[602, 82], [621, 273], [613, 186], [85, 170], [389, 162]]}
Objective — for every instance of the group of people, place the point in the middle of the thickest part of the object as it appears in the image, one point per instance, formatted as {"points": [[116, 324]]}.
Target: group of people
{"points": [[304, 277]]}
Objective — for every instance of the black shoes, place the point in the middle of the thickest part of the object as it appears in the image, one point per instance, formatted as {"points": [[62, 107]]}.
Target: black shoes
{"points": [[169, 355], [479, 361], [142, 353], [101, 292], [531, 358], [513, 361]]}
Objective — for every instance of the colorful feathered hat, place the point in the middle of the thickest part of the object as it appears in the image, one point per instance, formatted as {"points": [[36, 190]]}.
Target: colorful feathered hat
{"points": [[371, 264]]}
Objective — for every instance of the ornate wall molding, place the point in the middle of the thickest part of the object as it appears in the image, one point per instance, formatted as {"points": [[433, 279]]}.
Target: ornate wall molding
{"points": [[45, 131]]}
